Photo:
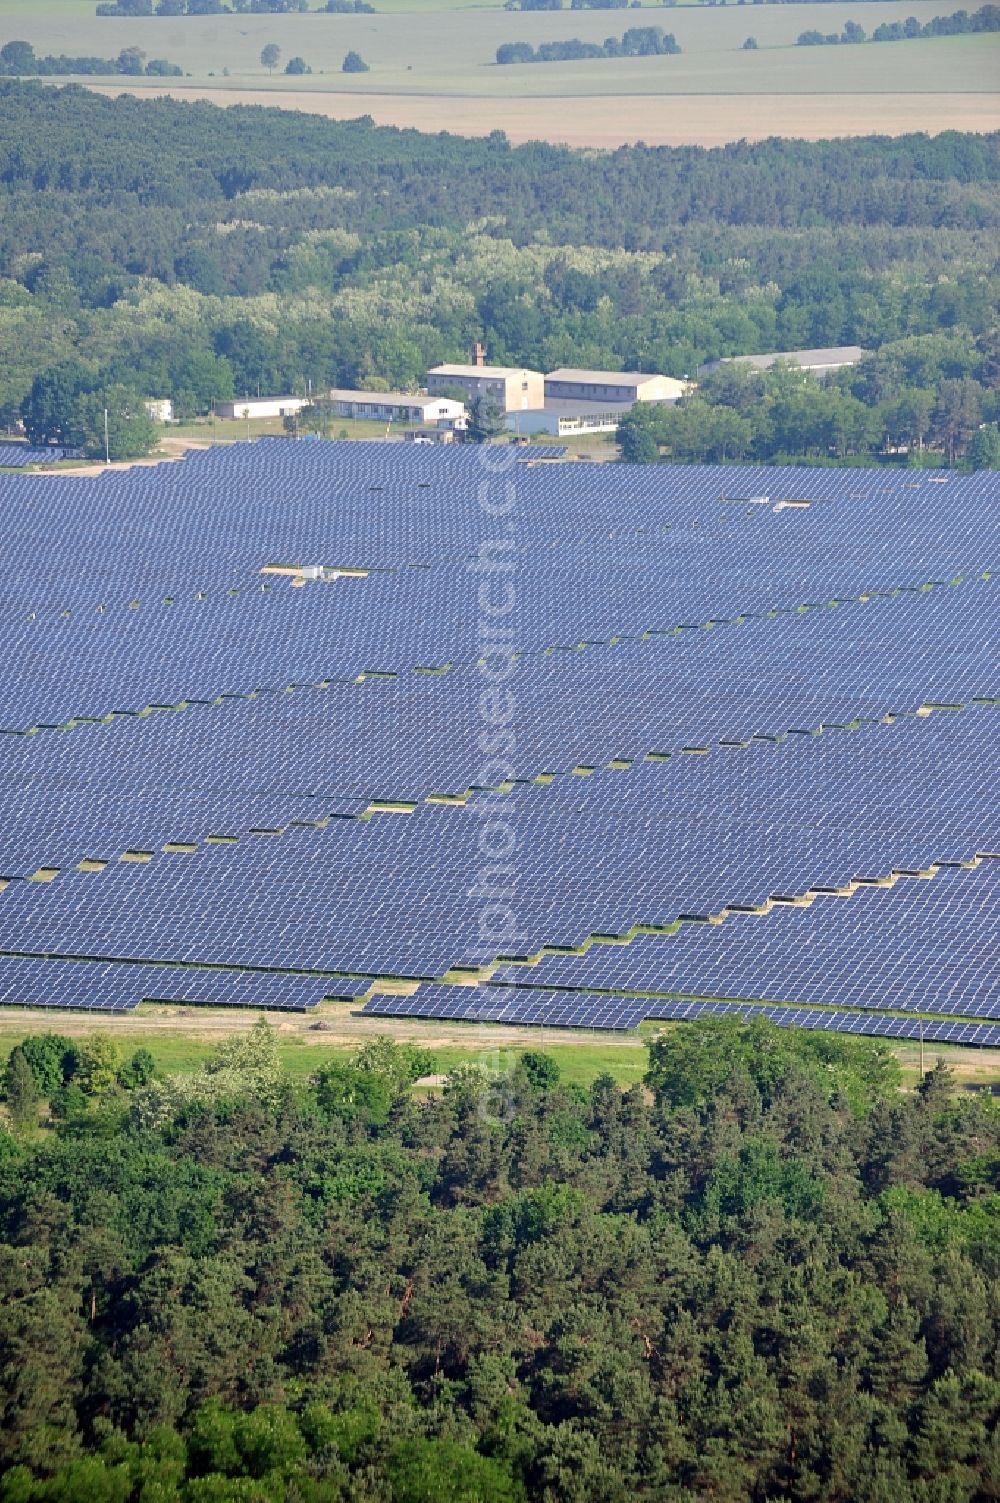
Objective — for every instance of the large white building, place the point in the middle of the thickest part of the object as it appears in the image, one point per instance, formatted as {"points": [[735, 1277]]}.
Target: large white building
{"points": [[586, 401], [399, 407], [564, 419]]}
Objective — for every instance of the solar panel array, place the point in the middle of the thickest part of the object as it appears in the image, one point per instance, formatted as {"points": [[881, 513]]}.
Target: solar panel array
{"points": [[567, 1009], [27, 981], [15, 456], [716, 715]]}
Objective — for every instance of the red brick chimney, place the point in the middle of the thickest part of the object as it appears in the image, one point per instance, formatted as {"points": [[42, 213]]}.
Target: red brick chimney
{"points": [[478, 354]]}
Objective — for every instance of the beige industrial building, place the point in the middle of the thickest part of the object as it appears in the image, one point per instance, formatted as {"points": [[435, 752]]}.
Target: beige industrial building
{"points": [[612, 387], [399, 407], [515, 390], [585, 401]]}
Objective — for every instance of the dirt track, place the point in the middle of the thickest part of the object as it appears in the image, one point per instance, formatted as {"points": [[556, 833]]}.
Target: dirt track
{"points": [[342, 1026], [170, 450]]}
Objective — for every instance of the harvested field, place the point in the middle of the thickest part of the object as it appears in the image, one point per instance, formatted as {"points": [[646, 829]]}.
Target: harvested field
{"points": [[434, 69], [701, 120]]}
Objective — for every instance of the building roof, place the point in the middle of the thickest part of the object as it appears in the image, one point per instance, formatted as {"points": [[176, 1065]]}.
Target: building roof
{"points": [[491, 372], [608, 378], [846, 354], [394, 398], [249, 401]]}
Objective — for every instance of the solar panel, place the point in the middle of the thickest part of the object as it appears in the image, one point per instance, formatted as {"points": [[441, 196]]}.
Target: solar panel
{"points": [[110, 986], [716, 705]]}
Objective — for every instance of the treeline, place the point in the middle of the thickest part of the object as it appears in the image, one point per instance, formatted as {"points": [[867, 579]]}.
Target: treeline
{"points": [[900, 402], [638, 41], [180, 250], [18, 59], [202, 7], [987, 18], [220, 8], [71, 407], [574, 4], [623, 4], [764, 1273], [161, 153]]}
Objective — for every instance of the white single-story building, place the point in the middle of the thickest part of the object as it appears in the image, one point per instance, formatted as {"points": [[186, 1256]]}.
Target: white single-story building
{"points": [[160, 409], [399, 407], [260, 407]]}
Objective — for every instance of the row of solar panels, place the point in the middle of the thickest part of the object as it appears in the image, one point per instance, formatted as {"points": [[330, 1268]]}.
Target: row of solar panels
{"points": [[125, 660], [920, 946], [119, 988], [825, 665], [406, 895], [213, 520], [105, 987], [17, 456], [599, 556], [581, 1010]]}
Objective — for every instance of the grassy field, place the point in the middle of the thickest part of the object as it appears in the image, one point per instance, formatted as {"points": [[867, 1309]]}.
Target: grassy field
{"points": [[432, 66], [234, 430], [454, 54], [423, 8], [181, 1038]]}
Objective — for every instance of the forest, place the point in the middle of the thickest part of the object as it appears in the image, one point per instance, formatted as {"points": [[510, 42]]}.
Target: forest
{"points": [[179, 249], [959, 24], [638, 41], [197, 7], [18, 59], [764, 1273], [913, 398]]}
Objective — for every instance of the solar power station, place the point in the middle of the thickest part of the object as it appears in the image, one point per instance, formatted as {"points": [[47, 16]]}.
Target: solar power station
{"points": [[481, 735]]}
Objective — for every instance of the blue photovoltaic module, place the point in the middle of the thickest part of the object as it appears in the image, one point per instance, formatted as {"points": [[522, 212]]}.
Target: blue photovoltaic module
{"points": [[749, 734]]}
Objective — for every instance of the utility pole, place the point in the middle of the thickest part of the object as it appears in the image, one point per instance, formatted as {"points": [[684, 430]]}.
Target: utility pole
{"points": [[921, 1048], [107, 446]]}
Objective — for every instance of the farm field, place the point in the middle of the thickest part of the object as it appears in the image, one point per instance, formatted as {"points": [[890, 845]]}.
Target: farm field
{"points": [[435, 69], [454, 54], [607, 122]]}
